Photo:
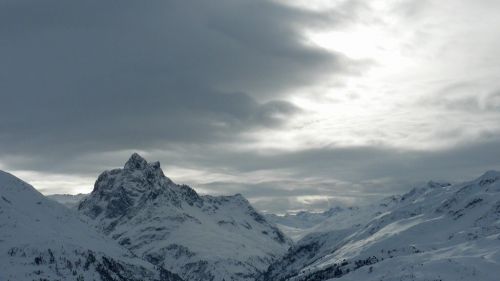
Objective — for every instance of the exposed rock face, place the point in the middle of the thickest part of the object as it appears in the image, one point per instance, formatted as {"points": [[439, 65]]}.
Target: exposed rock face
{"points": [[198, 237]]}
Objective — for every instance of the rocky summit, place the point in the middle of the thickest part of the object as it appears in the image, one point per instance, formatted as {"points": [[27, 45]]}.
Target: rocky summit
{"points": [[170, 225]]}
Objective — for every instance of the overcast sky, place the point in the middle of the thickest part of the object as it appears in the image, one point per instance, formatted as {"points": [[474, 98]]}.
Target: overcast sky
{"points": [[295, 104]]}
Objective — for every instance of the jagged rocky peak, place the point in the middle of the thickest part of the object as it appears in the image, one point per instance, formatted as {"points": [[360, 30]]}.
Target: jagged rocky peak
{"points": [[136, 170], [136, 162], [118, 190]]}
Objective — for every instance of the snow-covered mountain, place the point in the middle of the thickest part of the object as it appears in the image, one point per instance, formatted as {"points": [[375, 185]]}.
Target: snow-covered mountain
{"points": [[198, 237], [43, 240], [434, 232], [150, 227], [68, 200]]}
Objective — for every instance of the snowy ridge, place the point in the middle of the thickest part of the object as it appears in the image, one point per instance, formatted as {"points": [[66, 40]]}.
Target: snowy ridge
{"points": [[434, 232], [43, 240], [198, 237]]}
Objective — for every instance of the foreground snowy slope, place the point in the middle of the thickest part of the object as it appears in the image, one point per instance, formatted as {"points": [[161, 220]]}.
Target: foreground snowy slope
{"points": [[434, 232], [198, 237], [42, 240]]}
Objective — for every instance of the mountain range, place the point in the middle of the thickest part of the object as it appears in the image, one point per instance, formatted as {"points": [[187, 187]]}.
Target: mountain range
{"points": [[137, 224], [434, 232]]}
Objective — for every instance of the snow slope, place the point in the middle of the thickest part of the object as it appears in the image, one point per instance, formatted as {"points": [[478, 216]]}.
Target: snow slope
{"points": [[433, 232], [198, 237], [42, 240]]}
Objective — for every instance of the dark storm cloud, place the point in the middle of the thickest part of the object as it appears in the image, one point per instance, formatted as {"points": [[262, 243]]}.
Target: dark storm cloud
{"points": [[87, 76]]}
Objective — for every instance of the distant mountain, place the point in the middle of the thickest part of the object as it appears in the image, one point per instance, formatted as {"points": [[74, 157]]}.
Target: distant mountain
{"points": [[170, 225], [42, 240], [303, 219], [68, 200], [298, 225], [303, 223], [434, 232]]}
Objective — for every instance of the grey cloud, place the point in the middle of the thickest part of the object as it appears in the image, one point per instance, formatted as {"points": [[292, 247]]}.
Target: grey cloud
{"points": [[491, 101], [357, 172], [465, 96], [336, 176], [367, 168], [283, 205], [85, 76], [410, 9]]}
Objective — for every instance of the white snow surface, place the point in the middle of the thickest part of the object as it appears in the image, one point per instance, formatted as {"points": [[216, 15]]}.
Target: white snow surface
{"points": [[197, 237], [434, 232], [43, 240]]}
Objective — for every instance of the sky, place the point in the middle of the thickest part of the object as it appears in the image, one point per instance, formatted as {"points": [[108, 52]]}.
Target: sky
{"points": [[297, 105]]}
